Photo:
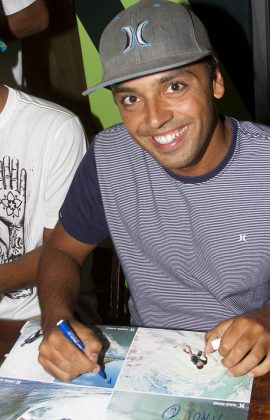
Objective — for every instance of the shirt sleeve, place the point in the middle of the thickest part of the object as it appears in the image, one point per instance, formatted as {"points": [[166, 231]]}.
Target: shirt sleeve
{"points": [[82, 214], [66, 151], [14, 6]]}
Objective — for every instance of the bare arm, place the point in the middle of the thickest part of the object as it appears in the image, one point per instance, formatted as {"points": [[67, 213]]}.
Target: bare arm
{"points": [[30, 20], [23, 271], [59, 275], [245, 342], [58, 289]]}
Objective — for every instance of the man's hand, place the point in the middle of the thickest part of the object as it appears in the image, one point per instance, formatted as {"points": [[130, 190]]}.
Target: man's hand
{"points": [[245, 343], [63, 360]]}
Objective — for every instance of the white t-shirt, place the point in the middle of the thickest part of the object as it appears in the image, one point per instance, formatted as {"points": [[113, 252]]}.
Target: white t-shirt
{"points": [[41, 145]]}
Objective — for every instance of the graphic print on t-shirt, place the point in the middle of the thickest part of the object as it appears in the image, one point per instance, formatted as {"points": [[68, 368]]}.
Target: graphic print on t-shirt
{"points": [[12, 212]]}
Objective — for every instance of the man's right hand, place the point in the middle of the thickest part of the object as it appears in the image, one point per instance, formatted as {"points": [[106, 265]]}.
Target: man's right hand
{"points": [[63, 360]]}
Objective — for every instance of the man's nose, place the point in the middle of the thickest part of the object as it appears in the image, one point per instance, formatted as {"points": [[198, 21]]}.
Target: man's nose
{"points": [[157, 113]]}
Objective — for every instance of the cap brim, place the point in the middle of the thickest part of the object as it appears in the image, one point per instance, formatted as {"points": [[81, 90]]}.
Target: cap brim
{"points": [[149, 68]]}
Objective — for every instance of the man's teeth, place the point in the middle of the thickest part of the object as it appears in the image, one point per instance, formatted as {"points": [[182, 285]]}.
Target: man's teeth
{"points": [[169, 138]]}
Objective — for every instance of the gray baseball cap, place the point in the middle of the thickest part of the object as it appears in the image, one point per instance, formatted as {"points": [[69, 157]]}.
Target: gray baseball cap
{"points": [[149, 37]]}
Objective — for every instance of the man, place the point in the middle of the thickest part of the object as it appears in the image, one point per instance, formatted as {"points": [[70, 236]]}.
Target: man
{"points": [[41, 147], [183, 193]]}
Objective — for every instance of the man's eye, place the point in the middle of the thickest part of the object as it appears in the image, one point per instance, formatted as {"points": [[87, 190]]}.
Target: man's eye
{"points": [[175, 87], [130, 100]]}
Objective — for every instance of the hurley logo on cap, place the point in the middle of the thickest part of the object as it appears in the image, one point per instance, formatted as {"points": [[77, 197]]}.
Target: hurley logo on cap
{"points": [[135, 35]]}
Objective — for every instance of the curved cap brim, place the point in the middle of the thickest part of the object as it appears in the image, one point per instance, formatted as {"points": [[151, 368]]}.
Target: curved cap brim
{"points": [[149, 68]]}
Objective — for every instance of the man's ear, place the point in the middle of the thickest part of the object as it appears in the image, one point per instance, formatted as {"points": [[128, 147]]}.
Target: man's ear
{"points": [[218, 85]]}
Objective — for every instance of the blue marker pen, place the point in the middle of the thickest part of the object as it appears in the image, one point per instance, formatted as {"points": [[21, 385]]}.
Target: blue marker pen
{"points": [[72, 336]]}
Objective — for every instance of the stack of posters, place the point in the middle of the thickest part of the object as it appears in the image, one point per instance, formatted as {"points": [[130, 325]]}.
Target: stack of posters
{"points": [[149, 374]]}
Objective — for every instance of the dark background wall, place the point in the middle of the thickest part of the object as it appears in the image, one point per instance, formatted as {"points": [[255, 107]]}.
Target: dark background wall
{"points": [[52, 62], [229, 25]]}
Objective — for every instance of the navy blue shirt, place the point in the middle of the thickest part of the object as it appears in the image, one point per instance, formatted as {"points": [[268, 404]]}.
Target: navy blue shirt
{"points": [[86, 221]]}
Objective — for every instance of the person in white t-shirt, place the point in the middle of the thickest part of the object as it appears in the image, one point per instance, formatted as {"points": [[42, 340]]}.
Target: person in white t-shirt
{"points": [[19, 19], [41, 145]]}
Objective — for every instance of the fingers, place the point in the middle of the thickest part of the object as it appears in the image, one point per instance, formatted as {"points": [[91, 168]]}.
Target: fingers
{"points": [[22, 189], [217, 333], [63, 360], [91, 342], [244, 357], [262, 368], [92, 350], [9, 175], [14, 174], [6, 172], [244, 345], [1, 175]]}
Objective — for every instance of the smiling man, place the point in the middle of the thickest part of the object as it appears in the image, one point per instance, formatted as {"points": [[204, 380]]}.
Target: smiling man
{"points": [[161, 110], [177, 187]]}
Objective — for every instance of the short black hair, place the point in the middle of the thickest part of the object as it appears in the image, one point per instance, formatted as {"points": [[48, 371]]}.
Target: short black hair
{"points": [[211, 64]]}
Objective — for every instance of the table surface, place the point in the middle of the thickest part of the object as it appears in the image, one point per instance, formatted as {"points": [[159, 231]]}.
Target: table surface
{"points": [[260, 401]]}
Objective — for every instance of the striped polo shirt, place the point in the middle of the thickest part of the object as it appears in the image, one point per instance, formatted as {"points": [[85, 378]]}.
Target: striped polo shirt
{"points": [[194, 250]]}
